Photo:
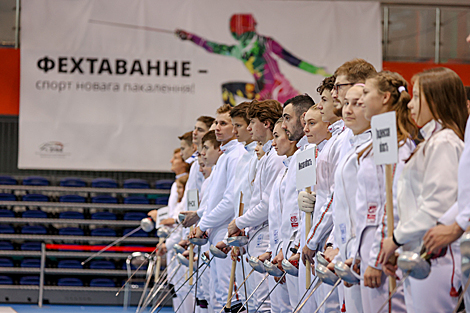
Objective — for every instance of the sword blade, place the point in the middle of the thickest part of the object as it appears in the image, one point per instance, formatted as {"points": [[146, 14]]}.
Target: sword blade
{"points": [[328, 295], [242, 284], [115, 242], [149, 276], [191, 288], [270, 291], [166, 294], [251, 295], [153, 29], [395, 290], [305, 293], [155, 293], [244, 280], [197, 277]]}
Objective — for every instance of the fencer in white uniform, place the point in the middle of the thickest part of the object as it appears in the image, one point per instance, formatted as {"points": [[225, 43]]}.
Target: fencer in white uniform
{"points": [[218, 213], [322, 224], [255, 219], [426, 189]]}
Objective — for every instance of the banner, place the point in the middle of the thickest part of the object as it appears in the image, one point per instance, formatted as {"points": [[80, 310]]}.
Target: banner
{"points": [[110, 84]]}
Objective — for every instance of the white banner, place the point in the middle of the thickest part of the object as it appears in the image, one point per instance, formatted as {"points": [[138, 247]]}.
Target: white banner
{"points": [[110, 84]]}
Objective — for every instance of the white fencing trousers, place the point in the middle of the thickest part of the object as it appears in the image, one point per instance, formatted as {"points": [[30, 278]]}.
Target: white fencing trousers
{"points": [[353, 299], [293, 289], [374, 298], [333, 304], [259, 241], [432, 295], [203, 287], [188, 305], [466, 297], [220, 272], [279, 297]]}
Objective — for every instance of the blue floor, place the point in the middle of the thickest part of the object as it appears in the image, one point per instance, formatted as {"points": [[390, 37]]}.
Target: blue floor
{"points": [[28, 308]]}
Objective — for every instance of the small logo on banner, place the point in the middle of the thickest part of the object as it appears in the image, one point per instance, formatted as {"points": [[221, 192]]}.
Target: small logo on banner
{"points": [[294, 222], [371, 213], [52, 149]]}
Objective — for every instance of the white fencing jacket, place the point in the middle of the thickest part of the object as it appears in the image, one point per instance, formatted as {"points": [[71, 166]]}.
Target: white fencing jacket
{"points": [[269, 167], [344, 215], [219, 210], [371, 201], [275, 208], [327, 162], [290, 220], [463, 217], [427, 187]]}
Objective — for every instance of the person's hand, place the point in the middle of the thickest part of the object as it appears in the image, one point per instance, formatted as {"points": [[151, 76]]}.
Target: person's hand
{"points": [[223, 247], [235, 254], [184, 243], [355, 268], [308, 255], [331, 266], [278, 259], [190, 219], [233, 230], [441, 236], [390, 267], [372, 277], [294, 259], [196, 233], [153, 214], [388, 249], [161, 249], [265, 256], [330, 254], [183, 35], [167, 221], [306, 201]]}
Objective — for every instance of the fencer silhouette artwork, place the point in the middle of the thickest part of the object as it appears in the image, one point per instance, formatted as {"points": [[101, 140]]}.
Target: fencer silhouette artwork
{"points": [[258, 54]]}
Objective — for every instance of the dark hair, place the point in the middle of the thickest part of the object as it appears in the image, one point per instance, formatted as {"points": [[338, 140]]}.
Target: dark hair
{"points": [[188, 137], [210, 136], [301, 103], [266, 111], [327, 84], [467, 90], [445, 94], [356, 70], [241, 110], [208, 120]]}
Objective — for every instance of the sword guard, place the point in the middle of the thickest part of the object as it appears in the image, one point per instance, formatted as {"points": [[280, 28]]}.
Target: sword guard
{"points": [[235, 308]]}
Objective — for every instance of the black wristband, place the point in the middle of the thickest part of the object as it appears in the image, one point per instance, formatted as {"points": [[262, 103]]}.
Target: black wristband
{"points": [[329, 245], [395, 241]]}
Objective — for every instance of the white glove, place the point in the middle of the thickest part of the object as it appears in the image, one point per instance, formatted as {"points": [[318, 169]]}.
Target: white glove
{"points": [[306, 201]]}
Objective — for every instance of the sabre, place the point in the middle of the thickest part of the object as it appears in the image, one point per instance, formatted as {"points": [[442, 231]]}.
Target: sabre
{"points": [[269, 293], [149, 276], [136, 270], [394, 291], [328, 295], [111, 244], [310, 294], [242, 284], [167, 293], [153, 293], [244, 280], [153, 29], [189, 291], [251, 295]]}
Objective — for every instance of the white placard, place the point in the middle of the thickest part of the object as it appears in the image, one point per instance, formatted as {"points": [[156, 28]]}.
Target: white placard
{"points": [[107, 84], [193, 200], [384, 136], [306, 168], [162, 214]]}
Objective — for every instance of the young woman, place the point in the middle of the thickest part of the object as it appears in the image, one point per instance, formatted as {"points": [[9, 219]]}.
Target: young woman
{"points": [[383, 93], [280, 297], [344, 215], [427, 187]]}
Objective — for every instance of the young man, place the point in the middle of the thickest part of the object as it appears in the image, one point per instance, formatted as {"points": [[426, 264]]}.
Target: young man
{"points": [[202, 126], [348, 74], [219, 211], [263, 115], [293, 123]]}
